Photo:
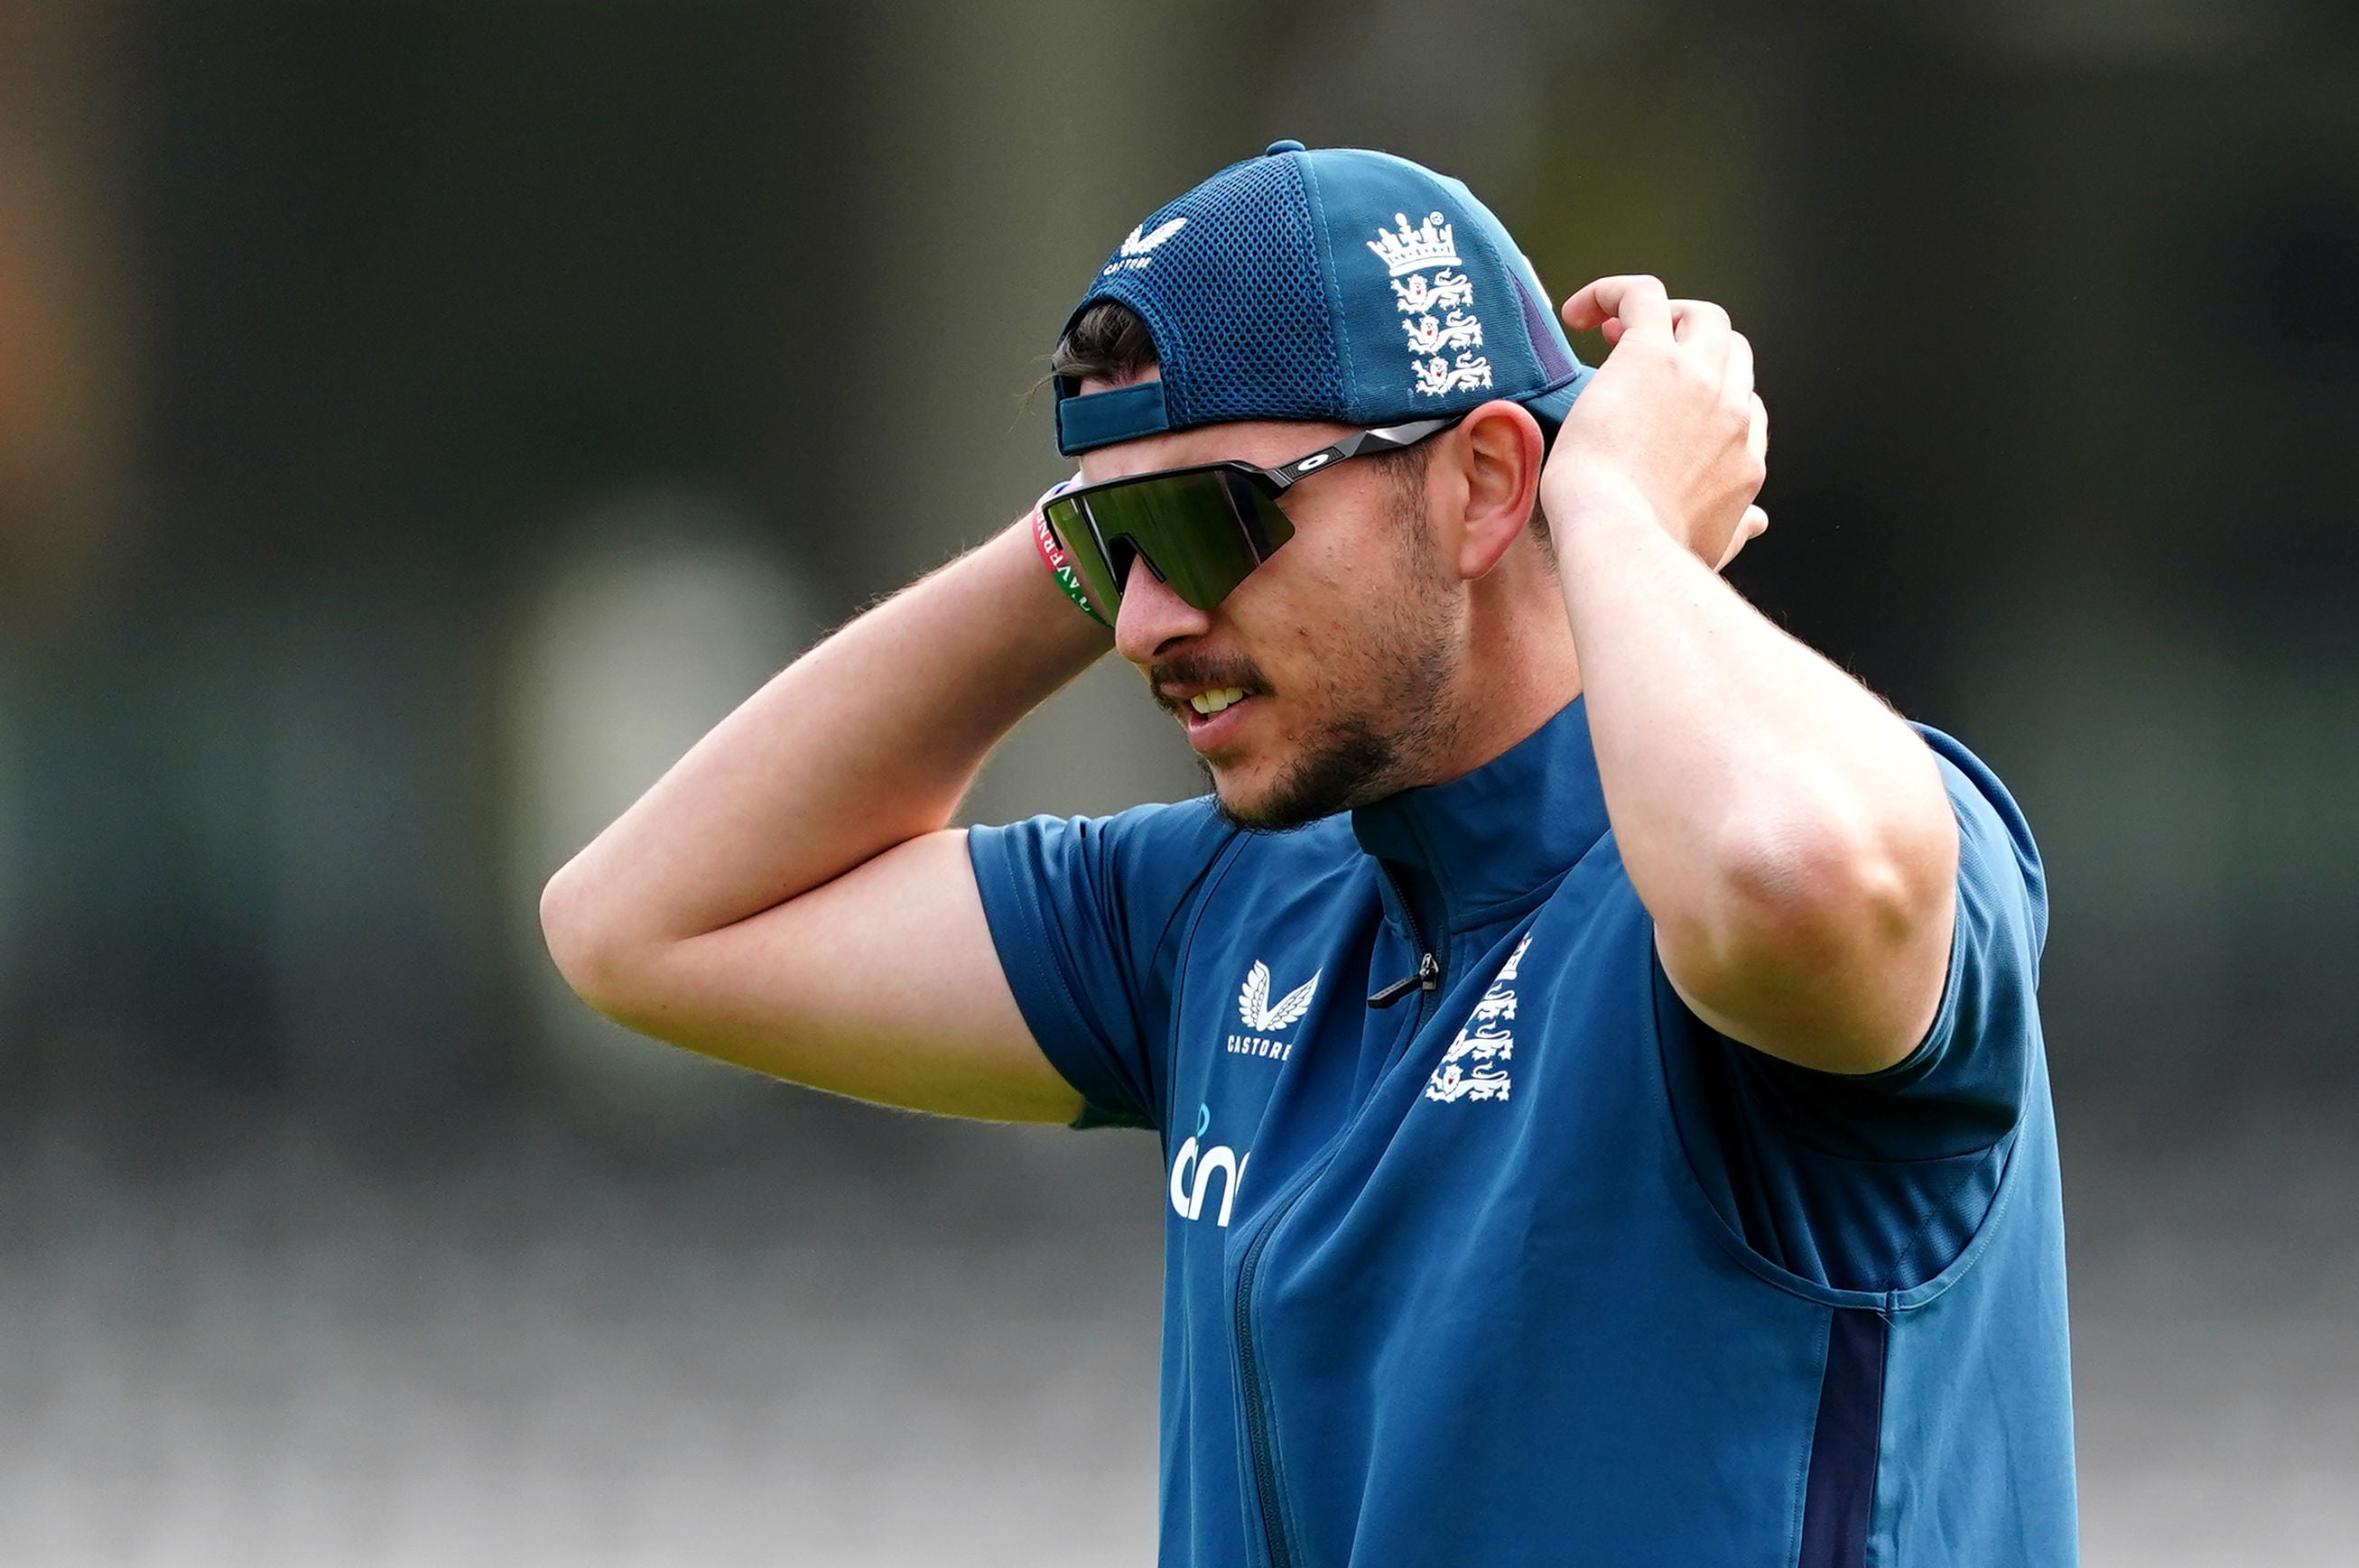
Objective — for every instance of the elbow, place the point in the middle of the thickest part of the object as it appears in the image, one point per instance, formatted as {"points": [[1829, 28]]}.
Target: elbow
{"points": [[1816, 928], [589, 950], [1830, 893]]}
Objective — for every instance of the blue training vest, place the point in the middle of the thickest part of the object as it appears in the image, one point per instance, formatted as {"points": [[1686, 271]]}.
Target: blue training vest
{"points": [[1528, 1266]]}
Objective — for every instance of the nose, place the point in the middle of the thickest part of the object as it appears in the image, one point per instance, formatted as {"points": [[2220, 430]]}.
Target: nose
{"points": [[1151, 617]]}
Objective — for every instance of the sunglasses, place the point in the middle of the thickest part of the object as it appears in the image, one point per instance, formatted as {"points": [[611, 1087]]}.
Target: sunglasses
{"points": [[1201, 531]]}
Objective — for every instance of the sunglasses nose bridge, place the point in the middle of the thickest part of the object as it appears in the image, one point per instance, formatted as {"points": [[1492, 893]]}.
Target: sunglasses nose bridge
{"points": [[1152, 615], [1123, 549]]}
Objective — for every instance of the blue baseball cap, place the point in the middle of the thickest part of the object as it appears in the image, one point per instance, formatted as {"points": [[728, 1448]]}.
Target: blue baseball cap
{"points": [[1339, 285]]}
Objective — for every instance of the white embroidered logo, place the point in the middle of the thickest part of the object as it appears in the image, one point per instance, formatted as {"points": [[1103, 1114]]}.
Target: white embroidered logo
{"points": [[1135, 245], [1263, 1019], [1446, 290], [1441, 329], [1414, 250], [1475, 1065], [1459, 330], [1437, 375]]}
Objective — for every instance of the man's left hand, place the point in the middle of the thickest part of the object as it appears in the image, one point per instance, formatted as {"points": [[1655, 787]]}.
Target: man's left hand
{"points": [[1672, 413]]}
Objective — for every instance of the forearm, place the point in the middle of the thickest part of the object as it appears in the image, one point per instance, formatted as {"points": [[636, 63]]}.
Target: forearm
{"points": [[1781, 824], [868, 740]]}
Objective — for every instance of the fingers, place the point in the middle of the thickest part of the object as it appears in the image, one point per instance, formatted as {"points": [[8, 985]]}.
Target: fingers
{"points": [[1736, 372], [1638, 300], [1702, 326], [1756, 446], [1755, 524], [1620, 305]]}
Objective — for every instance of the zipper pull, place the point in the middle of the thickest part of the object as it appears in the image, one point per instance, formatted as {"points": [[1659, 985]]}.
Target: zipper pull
{"points": [[1427, 978]]}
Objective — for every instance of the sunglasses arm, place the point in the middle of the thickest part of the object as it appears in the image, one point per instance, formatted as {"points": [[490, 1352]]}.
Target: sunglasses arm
{"points": [[1392, 438]]}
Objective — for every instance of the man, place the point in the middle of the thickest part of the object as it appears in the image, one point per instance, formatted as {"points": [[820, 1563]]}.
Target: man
{"points": [[1592, 1037]]}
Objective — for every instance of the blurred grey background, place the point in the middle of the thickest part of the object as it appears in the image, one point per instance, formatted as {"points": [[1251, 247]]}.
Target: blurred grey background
{"points": [[418, 421]]}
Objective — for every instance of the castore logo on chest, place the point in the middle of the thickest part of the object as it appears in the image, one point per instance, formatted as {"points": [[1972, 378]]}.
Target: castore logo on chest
{"points": [[1263, 1019]]}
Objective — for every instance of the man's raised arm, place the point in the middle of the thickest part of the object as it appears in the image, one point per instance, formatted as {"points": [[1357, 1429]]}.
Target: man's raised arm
{"points": [[785, 897], [1789, 834]]}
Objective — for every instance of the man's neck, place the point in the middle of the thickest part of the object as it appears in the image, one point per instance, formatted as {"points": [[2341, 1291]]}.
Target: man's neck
{"points": [[1518, 672]]}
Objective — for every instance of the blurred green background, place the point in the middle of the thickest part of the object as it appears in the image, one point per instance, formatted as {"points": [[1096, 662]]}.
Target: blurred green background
{"points": [[417, 421]]}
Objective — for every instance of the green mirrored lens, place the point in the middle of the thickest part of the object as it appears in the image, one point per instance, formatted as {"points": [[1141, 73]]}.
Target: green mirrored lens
{"points": [[1064, 515], [1202, 533]]}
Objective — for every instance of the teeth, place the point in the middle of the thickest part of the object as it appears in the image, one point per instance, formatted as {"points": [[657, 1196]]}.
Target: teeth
{"points": [[1210, 702]]}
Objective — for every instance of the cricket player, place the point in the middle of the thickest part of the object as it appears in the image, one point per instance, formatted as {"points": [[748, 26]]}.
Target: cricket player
{"points": [[1592, 1038]]}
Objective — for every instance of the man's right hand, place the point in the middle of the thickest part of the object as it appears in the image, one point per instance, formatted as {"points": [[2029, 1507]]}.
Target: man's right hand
{"points": [[789, 898]]}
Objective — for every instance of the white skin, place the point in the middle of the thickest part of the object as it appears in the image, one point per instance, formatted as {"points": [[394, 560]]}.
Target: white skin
{"points": [[1787, 832]]}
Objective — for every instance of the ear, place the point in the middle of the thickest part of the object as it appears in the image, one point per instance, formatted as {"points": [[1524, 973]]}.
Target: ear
{"points": [[1498, 451]]}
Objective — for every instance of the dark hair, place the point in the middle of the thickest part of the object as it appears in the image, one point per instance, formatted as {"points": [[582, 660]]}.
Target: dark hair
{"points": [[1108, 342]]}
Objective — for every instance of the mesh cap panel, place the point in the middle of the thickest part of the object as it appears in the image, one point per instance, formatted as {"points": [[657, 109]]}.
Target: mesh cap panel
{"points": [[1339, 284], [1254, 313]]}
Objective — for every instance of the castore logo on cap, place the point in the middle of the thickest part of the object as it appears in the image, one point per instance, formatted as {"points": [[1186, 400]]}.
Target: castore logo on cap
{"points": [[1133, 254]]}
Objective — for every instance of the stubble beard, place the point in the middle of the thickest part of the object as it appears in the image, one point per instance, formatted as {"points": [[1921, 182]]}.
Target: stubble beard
{"points": [[1389, 735]]}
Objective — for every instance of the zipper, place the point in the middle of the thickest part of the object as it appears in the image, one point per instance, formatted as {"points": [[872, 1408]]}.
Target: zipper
{"points": [[1260, 1442], [1429, 967], [1260, 1445], [1427, 978]]}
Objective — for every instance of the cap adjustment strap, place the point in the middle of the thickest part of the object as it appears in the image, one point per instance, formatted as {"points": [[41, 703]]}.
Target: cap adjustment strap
{"points": [[1086, 421]]}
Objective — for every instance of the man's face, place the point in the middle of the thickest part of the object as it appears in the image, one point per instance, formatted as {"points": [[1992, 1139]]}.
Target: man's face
{"points": [[1343, 643]]}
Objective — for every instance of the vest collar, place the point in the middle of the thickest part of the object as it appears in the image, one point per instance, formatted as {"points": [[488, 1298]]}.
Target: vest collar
{"points": [[1486, 839]]}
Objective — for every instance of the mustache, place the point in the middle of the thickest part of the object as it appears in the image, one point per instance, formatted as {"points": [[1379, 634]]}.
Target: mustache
{"points": [[1202, 672]]}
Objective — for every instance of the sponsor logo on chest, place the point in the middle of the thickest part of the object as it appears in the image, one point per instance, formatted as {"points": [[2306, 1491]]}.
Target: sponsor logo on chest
{"points": [[1194, 1167]]}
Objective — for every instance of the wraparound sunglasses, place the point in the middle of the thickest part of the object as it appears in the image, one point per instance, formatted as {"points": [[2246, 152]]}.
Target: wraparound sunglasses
{"points": [[1201, 531]]}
